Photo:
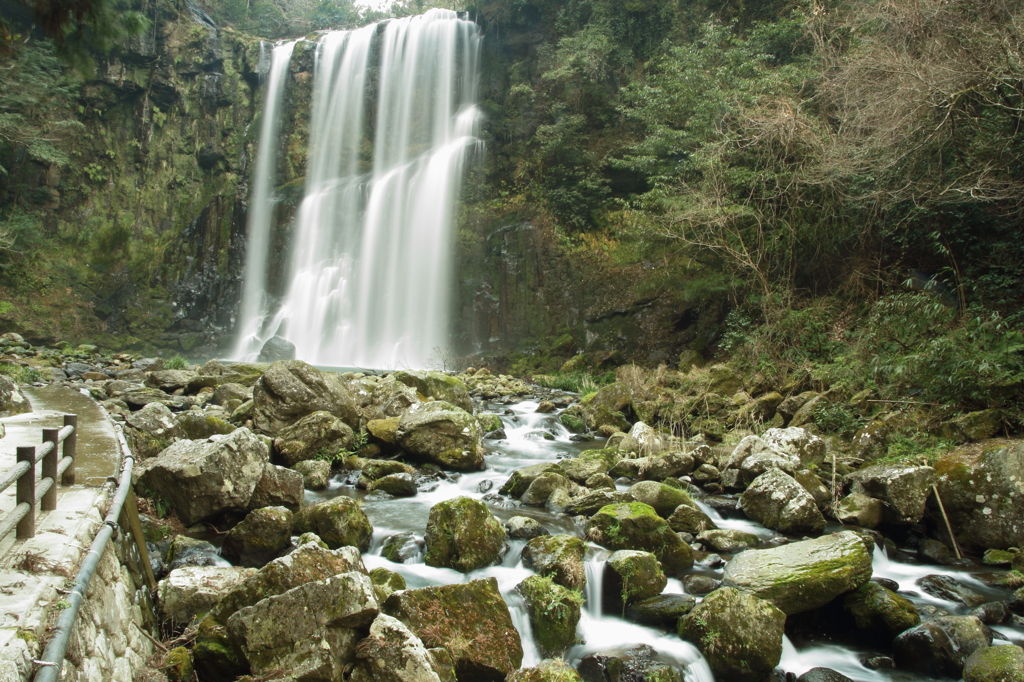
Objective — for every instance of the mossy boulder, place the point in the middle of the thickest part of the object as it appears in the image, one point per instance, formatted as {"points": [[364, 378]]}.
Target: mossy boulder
{"points": [[635, 525], [690, 519], [340, 522], [728, 540], [559, 557], [464, 535], [385, 582], [976, 426], [777, 501], [192, 591], [383, 430], [439, 386], [550, 670], [590, 503], [554, 612], [543, 486], [661, 497], [373, 469], [442, 433], [197, 425], [291, 389], [802, 575], [739, 634], [319, 435], [278, 487], [995, 664], [903, 489], [215, 656], [860, 510], [663, 610], [520, 479], [525, 528], [608, 407], [940, 646], [178, 666], [668, 465], [261, 536], [630, 576], [316, 473], [797, 442], [397, 485], [470, 620], [880, 612], [150, 430], [392, 652], [588, 463]]}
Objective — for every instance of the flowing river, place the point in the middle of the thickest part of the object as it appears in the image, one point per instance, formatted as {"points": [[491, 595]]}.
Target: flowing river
{"points": [[533, 438]]}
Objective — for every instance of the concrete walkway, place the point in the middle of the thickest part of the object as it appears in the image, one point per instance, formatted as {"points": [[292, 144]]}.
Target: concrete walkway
{"points": [[33, 571]]}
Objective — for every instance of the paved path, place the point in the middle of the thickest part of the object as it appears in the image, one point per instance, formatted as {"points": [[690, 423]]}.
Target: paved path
{"points": [[32, 571]]}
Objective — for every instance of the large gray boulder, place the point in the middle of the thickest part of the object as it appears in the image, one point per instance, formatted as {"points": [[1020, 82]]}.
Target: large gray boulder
{"points": [[940, 646], [393, 397], [796, 442], [464, 535], [340, 522], [291, 389], [662, 497], [739, 634], [630, 576], [392, 653], [559, 557], [276, 348], [169, 380], [442, 433], [261, 536], [903, 489], [317, 435], [200, 479], [310, 631], [777, 501], [803, 575], [193, 590], [198, 425], [439, 386], [151, 430], [278, 487], [983, 493]]}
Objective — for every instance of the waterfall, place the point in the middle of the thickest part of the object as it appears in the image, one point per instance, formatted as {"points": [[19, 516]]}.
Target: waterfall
{"points": [[261, 205], [370, 268]]}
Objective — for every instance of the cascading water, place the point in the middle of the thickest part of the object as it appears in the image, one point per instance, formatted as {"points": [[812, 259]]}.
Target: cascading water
{"points": [[370, 270], [261, 205]]}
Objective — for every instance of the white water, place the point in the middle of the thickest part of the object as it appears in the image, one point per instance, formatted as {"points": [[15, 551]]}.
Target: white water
{"points": [[370, 270], [261, 205]]}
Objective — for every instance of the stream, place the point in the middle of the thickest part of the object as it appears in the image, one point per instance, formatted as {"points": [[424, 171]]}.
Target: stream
{"points": [[533, 438]]}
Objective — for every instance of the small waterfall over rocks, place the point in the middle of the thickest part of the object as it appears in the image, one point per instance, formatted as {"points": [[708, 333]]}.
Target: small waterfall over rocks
{"points": [[392, 122]]}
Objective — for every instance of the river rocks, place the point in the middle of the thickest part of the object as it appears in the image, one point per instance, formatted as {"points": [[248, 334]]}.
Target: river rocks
{"points": [[340, 522], [945, 587], [880, 612], [643, 440], [739, 634], [559, 557], [520, 479], [170, 380], [750, 445], [690, 519], [671, 464], [588, 463], [797, 442], [550, 670], [397, 485], [386, 582], [439, 386], [470, 619], [607, 407], [289, 631], [803, 575], [543, 486], [777, 501], [319, 434], [464, 535], [392, 653], [630, 576], [198, 425], [729, 541], [193, 590], [995, 664], [664, 610], [554, 612], [316, 473], [904, 490], [663, 498], [150, 430], [637, 526], [402, 547], [276, 348], [261, 536], [983, 493], [292, 389], [442, 433], [767, 460], [278, 487], [393, 398], [525, 528], [941, 646], [200, 479], [225, 392], [372, 470], [860, 510], [590, 503]]}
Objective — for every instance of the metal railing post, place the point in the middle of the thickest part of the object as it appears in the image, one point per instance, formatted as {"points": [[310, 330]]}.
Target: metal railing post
{"points": [[27, 493], [49, 501], [70, 449]]}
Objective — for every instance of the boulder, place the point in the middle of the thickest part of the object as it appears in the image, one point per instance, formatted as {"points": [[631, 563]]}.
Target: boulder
{"points": [[397, 485], [607, 407], [525, 528], [278, 487], [521, 479], [813, 485], [310, 630], [319, 435], [402, 547], [823, 675], [191, 591], [151, 430], [802, 575], [200, 479], [750, 445], [636, 664], [340, 522], [983, 493], [559, 557], [642, 440], [730, 541], [590, 503], [464, 535], [860, 510], [669, 465], [276, 348], [292, 389], [393, 398], [976, 426], [664, 610], [636, 525], [261, 536], [385, 582], [941, 646], [661, 497], [949, 589], [879, 612], [543, 486], [442, 433], [392, 653], [588, 463], [903, 489], [554, 612], [690, 519], [170, 380], [739, 634], [225, 392], [198, 425], [630, 576], [384, 431], [438, 386], [550, 670], [316, 473], [471, 620], [777, 501], [767, 460], [995, 664], [797, 442]]}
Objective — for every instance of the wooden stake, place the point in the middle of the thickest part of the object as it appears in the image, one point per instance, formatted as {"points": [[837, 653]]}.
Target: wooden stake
{"points": [[949, 528]]}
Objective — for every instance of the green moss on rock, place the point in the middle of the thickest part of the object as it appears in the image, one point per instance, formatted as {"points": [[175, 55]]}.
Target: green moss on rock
{"points": [[554, 613], [634, 525], [464, 535]]}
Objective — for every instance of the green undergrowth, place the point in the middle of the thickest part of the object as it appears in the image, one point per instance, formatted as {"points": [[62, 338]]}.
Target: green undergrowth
{"points": [[584, 383]]}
